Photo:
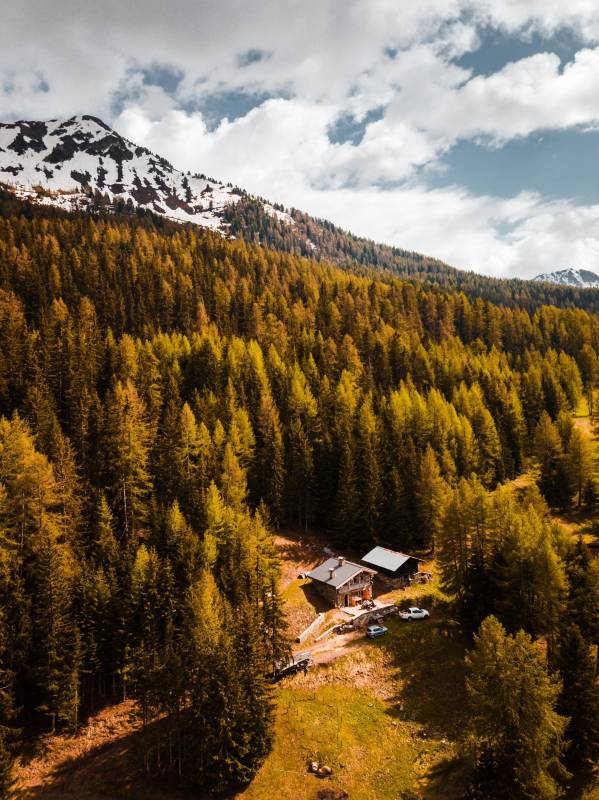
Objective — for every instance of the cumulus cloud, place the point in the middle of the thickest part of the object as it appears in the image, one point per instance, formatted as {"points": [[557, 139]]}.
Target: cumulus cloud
{"points": [[316, 62], [519, 236]]}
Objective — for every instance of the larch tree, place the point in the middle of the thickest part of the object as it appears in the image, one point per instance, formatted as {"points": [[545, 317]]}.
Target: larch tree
{"points": [[516, 732], [579, 462], [127, 451], [430, 491]]}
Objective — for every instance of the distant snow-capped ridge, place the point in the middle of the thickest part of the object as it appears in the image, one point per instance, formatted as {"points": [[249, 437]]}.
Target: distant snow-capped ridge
{"points": [[80, 163], [580, 278]]}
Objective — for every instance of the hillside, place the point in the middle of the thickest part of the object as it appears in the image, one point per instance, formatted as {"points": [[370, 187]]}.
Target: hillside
{"points": [[82, 164], [169, 399]]}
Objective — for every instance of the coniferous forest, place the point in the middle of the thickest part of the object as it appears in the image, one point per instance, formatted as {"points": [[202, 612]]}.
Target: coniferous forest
{"points": [[169, 398]]}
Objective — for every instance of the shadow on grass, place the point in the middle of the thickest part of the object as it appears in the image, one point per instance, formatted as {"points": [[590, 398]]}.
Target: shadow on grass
{"points": [[113, 770], [301, 547], [448, 778], [428, 657], [313, 597]]}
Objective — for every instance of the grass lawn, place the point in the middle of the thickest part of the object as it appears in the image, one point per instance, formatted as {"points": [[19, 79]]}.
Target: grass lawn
{"points": [[386, 718], [349, 729]]}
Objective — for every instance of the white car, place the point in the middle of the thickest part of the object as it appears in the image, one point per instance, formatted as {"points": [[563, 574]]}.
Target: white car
{"points": [[414, 613]]}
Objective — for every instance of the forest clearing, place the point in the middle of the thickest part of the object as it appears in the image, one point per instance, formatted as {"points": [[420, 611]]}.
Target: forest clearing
{"points": [[387, 716]]}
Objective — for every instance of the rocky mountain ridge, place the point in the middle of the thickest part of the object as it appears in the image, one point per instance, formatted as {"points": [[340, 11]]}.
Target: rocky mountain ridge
{"points": [[579, 278], [81, 163]]}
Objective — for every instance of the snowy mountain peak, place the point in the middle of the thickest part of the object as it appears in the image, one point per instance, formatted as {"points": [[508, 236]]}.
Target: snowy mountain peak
{"points": [[81, 163], [579, 278]]}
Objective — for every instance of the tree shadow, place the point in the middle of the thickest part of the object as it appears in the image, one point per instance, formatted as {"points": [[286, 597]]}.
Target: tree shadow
{"points": [[113, 770], [428, 659], [447, 779], [428, 656]]}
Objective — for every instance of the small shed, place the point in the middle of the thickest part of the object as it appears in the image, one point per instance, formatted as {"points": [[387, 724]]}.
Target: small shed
{"points": [[391, 564], [342, 582]]}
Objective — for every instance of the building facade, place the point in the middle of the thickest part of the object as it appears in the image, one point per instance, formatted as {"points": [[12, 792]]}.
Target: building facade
{"points": [[342, 582]]}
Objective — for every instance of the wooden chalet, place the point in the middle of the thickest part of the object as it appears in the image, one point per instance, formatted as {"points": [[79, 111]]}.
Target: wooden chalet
{"points": [[342, 582]]}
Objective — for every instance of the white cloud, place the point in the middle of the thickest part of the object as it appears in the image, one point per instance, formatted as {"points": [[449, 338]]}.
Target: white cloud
{"points": [[524, 235], [326, 60]]}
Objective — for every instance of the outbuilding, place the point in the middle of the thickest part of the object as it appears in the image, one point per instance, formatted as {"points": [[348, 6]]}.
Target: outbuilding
{"points": [[391, 564]]}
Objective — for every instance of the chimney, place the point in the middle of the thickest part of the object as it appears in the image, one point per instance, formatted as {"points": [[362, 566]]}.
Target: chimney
{"points": [[331, 573], [341, 560]]}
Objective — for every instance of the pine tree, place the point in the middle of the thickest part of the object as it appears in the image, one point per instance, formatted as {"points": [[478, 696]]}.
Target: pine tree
{"points": [[211, 748], [554, 479], [233, 479], [300, 471], [56, 641], [429, 492], [127, 441], [368, 471], [517, 733], [579, 462], [582, 601], [254, 727], [579, 698], [270, 458]]}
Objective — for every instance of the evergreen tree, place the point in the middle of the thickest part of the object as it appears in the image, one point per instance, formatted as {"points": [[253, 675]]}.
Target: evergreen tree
{"points": [[579, 462], [370, 494], [127, 441], [270, 457], [554, 480], [579, 698], [582, 602], [517, 732], [430, 492]]}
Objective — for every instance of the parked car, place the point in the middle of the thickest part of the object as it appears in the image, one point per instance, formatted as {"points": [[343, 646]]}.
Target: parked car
{"points": [[372, 631], [345, 627], [292, 665], [414, 613]]}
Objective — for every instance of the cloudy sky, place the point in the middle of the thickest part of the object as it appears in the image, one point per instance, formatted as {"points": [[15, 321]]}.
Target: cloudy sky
{"points": [[465, 129]]}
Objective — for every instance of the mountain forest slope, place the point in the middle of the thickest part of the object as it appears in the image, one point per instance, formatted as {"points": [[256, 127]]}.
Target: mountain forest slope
{"points": [[82, 164], [168, 397]]}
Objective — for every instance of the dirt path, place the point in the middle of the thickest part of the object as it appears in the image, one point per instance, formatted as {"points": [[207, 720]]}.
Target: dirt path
{"points": [[337, 646]]}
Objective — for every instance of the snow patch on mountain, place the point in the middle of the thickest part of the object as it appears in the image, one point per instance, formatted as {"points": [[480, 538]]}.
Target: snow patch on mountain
{"points": [[579, 278], [81, 163]]}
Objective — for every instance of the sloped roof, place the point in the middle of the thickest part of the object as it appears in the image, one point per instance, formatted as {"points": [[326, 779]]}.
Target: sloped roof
{"points": [[386, 559], [342, 572]]}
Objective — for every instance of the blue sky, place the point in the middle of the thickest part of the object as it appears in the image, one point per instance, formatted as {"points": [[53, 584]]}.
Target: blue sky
{"points": [[465, 129]]}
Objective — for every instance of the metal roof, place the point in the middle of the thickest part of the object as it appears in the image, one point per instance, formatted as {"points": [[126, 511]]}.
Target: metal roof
{"points": [[386, 559], [343, 572]]}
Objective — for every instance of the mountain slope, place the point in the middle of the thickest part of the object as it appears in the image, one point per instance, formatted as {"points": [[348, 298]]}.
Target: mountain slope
{"points": [[81, 163], [580, 278]]}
